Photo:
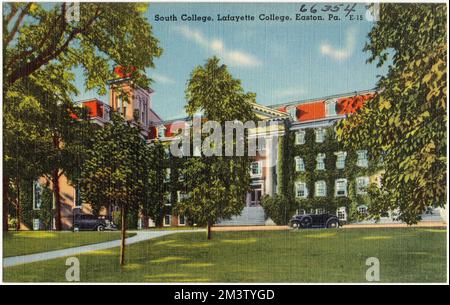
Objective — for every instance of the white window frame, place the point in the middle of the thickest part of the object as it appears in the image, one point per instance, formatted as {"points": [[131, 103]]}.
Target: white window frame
{"points": [[340, 159], [161, 131], [179, 222], [362, 209], [322, 185], [362, 158], [170, 220], [299, 164], [292, 110], [320, 160], [320, 135], [300, 137], [167, 174], [337, 181], [341, 213], [299, 184], [362, 183], [330, 105], [259, 174], [37, 206]]}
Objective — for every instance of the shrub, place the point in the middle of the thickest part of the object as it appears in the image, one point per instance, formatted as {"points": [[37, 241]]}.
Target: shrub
{"points": [[278, 208]]}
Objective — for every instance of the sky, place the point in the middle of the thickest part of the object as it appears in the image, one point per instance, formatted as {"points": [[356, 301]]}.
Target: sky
{"points": [[279, 61]]}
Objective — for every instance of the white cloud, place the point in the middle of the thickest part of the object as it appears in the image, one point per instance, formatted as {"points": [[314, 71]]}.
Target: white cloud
{"points": [[291, 92], [159, 78], [230, 56], [341, 54]]}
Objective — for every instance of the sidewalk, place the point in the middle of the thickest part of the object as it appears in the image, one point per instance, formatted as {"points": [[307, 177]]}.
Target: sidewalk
{"points": [[140, 236]]}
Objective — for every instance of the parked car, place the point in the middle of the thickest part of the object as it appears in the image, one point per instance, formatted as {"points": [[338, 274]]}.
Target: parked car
{"points": [[307, 221], [87, 222]]}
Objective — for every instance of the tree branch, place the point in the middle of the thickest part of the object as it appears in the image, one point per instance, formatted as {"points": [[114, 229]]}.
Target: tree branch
{"points": [[48, 55], [18, 22]]}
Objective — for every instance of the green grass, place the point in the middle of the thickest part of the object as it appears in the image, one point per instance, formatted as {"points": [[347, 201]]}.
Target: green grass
{"points": [[29, 242], [405, 255]]}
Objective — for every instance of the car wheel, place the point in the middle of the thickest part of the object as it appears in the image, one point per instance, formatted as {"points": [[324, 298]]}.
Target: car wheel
{"points": [[100, 228], [295, 225], [306, 223], [333, 224]]}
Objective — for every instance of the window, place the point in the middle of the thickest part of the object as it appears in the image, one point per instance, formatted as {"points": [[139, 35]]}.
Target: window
{"points": [[342, 214], [167, 220], [320, 188], [362, 209], [301, 212], [37, 195], [362, 158], [181, 220], [341, 188], [330, 108], [292, 110], [320, 161], [361, 184], [300, 190], [256, 170], [167, 198], [340, 159], [300, 137], [320, 135], [320, 211], [181, 196], [161, 131], [167, 175], [299, 164]]}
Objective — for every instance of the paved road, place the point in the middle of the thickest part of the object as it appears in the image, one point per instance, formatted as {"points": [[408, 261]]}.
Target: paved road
{"points": [[140, 236]]}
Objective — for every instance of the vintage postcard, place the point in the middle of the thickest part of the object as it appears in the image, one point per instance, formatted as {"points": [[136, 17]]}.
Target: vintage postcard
{"points": [[224, 142]]}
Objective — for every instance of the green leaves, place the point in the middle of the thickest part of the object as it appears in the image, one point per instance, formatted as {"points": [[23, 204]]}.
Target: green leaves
{"points": [[406, 121]]}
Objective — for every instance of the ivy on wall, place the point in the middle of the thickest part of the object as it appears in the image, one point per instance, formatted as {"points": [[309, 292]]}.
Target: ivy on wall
{"points": [[309, 151]]}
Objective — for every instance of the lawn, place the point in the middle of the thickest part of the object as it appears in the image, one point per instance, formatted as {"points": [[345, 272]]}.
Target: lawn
{"points": [[405, 255], [29, 242]]}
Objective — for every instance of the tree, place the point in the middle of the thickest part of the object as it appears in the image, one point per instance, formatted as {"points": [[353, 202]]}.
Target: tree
{"points": [[100, 34], [45, 134], [116, 171], [405, 124], [216, 185], [42, 44], [153, 205]]}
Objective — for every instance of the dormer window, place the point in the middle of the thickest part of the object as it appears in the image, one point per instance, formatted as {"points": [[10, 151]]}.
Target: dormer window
{"points": [[330, 108], [161, 131], [292, 110]]}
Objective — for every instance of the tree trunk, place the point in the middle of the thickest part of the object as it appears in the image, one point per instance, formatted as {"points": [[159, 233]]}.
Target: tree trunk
{"points": [[5, 203], [123, 233], [55, 181], [208, 231], [19, 208], [56, 194]]}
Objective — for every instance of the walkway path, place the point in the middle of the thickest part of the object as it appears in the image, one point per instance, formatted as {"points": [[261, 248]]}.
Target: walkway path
{"points": [[140, 236]]}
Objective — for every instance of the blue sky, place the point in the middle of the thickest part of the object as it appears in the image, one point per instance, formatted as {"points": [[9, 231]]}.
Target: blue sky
{"points": [[279, 61]]}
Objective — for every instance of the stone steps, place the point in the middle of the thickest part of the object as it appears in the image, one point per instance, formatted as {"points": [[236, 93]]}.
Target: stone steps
{"points": [[250, 216]]}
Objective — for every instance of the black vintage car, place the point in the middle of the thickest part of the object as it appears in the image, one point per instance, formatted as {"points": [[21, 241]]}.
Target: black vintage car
{"points": [[307, 221], [89, 222]]}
